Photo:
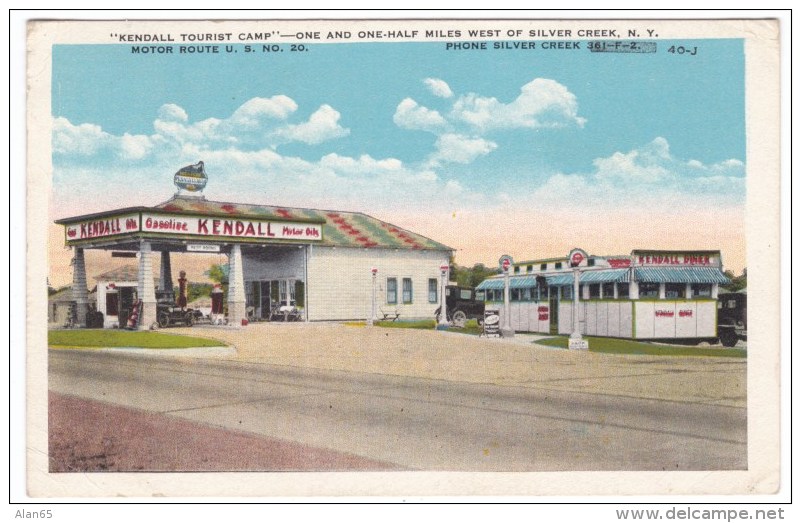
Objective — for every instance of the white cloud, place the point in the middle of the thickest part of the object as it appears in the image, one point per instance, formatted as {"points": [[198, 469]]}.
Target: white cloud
{"points": [[410, 115], [438, 87], [542, 103], [172, 113], [77, 140], [457, 148], [256, 110], [323, 125], [649, 176]]}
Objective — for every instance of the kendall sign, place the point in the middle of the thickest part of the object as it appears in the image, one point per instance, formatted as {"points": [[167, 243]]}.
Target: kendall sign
{"points": [[103, 227], [230, 228]]}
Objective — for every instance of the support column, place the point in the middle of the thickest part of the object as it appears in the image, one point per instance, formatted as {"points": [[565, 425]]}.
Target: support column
{"points": [[236, 287], [80, 293], [165, 272], [145, 288]]}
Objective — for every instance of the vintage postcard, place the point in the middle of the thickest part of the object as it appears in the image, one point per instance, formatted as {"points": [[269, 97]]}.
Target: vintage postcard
{"points": [[403, 258]]}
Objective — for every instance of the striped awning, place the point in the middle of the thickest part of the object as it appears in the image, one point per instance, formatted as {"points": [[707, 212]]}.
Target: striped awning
{"points": [[559, 280], [605, 276], [494, 283], [515, 282], [680, 275]]}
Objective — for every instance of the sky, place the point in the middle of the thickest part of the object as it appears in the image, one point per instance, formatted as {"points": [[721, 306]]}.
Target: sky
{"points": [[521, 152]]}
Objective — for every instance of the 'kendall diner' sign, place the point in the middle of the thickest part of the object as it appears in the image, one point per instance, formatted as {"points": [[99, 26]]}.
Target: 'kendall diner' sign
{"points": [[208, 227], [702, 259]]}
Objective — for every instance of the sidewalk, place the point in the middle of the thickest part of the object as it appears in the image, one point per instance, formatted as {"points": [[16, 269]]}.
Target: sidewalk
{"points": [[457, 357]]}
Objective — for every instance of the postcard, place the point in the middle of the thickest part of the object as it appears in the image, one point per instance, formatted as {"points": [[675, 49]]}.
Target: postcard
{"points": [[426, 257]]}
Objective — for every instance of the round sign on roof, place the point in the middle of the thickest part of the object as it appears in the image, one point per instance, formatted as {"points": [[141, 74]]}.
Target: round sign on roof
{"points": [[576, 257], [505, 262], [191, 178]]}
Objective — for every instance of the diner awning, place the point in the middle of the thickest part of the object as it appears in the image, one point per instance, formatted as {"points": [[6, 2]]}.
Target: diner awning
{"points": [[605, 276], [680, 275]]}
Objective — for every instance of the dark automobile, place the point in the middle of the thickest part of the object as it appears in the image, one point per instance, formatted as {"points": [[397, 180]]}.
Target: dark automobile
{"points": [[461, 305], [168, 313], [732, 317]]}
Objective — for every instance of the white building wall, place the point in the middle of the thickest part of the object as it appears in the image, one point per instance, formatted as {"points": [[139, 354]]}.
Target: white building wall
{"points": [[340, 282]]}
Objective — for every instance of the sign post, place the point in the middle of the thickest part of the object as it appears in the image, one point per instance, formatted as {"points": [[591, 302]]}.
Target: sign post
{"points": [[372, 318], [442, 324], [576, 258], [505, 263]]}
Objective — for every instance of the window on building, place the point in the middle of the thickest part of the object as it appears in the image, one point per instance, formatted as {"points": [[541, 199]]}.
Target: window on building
{"points": [[407, 290], [623, 290], [649, 290], [591, 262], [609, 290], [702, 290], [392, 290], [112, 304], [517, 269], [432, 290], [557, 265], [529, 268], [543, 266], [527, 294], [595, 291], [675, 290], [567, 292], [514, 294]]}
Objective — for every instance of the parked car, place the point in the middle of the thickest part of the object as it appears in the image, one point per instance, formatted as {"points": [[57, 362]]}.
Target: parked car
{"points": [[168, 313], [461, 305], [732, 317]]}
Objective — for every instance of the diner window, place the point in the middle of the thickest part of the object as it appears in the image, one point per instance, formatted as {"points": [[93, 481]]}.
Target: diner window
{"points": [[595, 291], [591, 262], [517, 269], [527, 293], [557, 265], [543, 266], [609, 290], [514, 294], [649, 290], [529, 268], [623, 290], [675, 290], [407, 290], [702, 290], [432, 290], [392, 290], [567, 292]]}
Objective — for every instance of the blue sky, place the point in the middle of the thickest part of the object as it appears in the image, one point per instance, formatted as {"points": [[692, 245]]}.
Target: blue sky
{"points": [[406, 129]]}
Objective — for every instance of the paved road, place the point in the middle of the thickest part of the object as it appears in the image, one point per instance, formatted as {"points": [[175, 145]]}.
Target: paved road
{"points": [[416, 423]]}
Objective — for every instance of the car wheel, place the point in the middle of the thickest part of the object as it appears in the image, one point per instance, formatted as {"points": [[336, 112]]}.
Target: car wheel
{"points": [[190, 319], [459, 319], [164, 320], [728, 338]]}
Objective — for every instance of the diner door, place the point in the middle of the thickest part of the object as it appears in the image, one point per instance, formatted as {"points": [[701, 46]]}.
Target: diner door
{"points": [[553, 302]]}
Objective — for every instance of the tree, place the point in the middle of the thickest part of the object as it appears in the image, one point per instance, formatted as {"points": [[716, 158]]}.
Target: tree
{"points": [[737, 282], [471, 277], [218, 273]]}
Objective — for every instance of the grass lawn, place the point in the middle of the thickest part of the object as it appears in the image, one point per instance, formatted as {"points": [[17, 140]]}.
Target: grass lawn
{"points": [[122, 338], [617, 346]]}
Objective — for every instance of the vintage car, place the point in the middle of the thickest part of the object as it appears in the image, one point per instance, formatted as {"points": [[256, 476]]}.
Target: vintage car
{"points": [[169, 314], [732, 317], [461, 305]]}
